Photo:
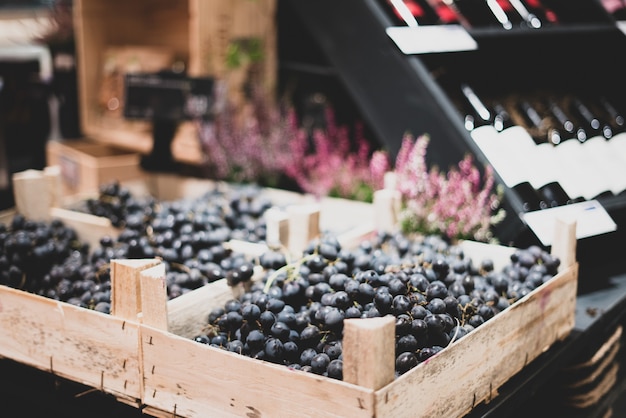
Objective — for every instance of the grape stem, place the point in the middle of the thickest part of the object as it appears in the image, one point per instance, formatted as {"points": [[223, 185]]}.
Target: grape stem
{"points": [[287, 268]]}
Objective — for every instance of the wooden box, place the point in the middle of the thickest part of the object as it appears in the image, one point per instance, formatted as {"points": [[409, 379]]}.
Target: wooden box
{"points": [[185, 378], [89, 347], [199, 34], [86, 164]]}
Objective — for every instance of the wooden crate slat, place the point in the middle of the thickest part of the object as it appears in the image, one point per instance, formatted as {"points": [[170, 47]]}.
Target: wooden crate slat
{"points": [[85, 346], [369, 351], [126, 286], [195, 380], [90, 228], [486, 358]]}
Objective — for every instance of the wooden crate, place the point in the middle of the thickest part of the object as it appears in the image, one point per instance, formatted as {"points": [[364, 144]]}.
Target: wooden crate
{"points": [[348, 219], [197, 33], [184, 378], [92, 348], [86, 164]]}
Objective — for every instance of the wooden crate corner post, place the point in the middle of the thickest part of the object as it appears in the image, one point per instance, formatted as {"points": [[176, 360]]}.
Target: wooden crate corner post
{"points": [[304, 226], [387, 204], [369, 351], [33, 195], [564, 245], [277, 225], [153, 295], [126, 286]]}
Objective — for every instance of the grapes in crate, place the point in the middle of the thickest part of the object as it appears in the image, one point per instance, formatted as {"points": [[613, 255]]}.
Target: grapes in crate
{"points": [[294, 315]]}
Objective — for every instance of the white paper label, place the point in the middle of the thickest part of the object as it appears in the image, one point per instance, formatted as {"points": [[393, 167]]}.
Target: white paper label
{"points": [[590, 216], [431, 38], [578, 177], [607, 167], [503, 161]]}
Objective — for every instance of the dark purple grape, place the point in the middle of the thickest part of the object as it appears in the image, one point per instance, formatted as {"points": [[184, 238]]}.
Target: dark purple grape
{"points": [[405, 362], [335, 369]]}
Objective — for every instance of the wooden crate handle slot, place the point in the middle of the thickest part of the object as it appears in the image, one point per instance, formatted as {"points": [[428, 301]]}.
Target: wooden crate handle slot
{"points": [[369, 351], [126, 286], [564, 245]]}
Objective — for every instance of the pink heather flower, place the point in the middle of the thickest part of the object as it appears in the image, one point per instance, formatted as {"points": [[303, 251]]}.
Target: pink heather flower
{"points": [[332, 163], [379, 165], [249, 145], [456, 204]]}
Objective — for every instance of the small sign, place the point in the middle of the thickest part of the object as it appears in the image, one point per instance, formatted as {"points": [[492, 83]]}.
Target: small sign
{"points": [[151, 96], [431, 38], [590, 216]]}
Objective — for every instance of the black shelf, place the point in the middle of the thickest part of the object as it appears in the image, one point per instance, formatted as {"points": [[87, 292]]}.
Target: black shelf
{"points": [[597, 313], [344, 48], [393, 93]]}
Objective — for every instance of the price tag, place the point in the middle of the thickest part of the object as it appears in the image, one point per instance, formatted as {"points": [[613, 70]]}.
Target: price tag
{"points": [[590, 216], [621, 25], [431, 38]]}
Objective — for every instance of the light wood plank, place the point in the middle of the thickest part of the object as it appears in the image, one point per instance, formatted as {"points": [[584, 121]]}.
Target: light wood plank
{"points": [[485, 359], [85, 346], [304, 226], [126, 286], [32, 195], [369, 351], [190, 379], [154, 297]]}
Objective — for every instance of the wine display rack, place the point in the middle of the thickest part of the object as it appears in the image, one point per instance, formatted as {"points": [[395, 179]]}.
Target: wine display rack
{"points": [[344, 51]]}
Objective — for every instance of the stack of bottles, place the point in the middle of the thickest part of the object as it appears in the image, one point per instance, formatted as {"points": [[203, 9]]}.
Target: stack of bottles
{"points": [[551, 149]]}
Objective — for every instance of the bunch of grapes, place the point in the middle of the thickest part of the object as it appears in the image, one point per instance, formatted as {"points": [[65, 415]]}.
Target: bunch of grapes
{"points": [[295, 315]]}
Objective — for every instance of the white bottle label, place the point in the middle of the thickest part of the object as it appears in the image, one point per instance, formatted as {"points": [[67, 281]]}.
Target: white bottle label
{"points": [[543, 170], [503, 161], [577, 177], [606, 164]]}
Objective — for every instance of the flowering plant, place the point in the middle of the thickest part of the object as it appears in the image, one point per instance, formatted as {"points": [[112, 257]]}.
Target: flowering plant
{"points": [[330, 163], [456, 204], [251, 146]]}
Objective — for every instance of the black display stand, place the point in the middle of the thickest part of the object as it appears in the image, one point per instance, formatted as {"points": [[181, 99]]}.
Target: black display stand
{"points": [[344, 48], [340, 48], [165, 99]]}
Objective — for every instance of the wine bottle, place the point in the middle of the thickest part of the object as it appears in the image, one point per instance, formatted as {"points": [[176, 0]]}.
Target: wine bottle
{"points": [[539, 129], [519, 14], [567, 123], [412, 13], [501, 155], [544, 13], [500, 14], [616, 146], [583, 153], [546, 178], [512, 170], [617, 120], [471, 119], [531, 19], [610, 164], [448, 13], [480, 13], [476, 103], [502, 118], [593, 122]]}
